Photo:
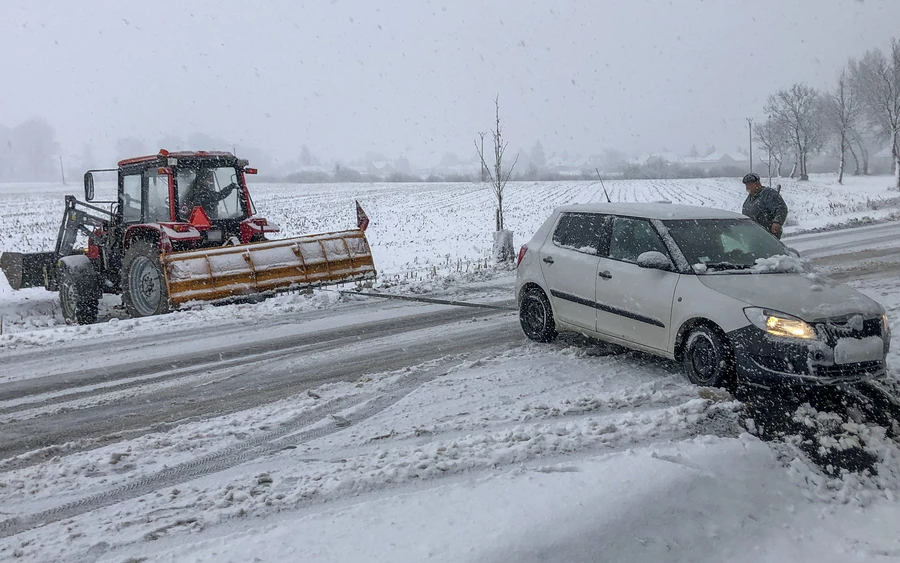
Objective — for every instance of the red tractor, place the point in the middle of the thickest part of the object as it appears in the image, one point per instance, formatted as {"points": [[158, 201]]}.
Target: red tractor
{"points": [[183, 229]]}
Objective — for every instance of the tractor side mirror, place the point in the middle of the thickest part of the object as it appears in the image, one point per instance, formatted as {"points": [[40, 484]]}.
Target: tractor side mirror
{"points": [[88, 186]]}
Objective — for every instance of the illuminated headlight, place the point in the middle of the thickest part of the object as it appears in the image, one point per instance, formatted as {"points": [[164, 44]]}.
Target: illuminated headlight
{"points": [[885, 325], [779, 324]]}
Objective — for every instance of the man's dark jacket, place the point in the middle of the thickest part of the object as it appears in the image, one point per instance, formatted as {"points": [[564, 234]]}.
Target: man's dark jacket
{"points": [[766, 207]]}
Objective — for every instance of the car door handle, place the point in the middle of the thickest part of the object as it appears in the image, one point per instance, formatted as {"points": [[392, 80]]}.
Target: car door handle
{"points": [[548, 259], [605, 275]]}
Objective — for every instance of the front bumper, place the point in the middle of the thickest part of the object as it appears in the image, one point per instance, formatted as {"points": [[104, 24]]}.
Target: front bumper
{"points": [[762, 359]]}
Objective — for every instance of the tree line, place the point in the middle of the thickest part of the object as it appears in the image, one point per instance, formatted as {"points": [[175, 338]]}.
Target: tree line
{"points": [[860, 110]]}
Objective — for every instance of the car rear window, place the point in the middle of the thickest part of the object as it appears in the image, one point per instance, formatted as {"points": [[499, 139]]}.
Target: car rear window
{"points": [[581, 232]]}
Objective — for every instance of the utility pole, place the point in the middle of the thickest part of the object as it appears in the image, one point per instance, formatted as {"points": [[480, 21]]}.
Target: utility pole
{"points": [[750, 129], [62, 171]]}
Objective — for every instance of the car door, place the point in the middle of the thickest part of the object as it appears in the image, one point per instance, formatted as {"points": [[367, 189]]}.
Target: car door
{"points": [[569, 262], [634, 303]]}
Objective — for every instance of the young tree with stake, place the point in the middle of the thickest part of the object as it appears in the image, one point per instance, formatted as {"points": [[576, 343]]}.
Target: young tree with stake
{"points": [[503, 247]]}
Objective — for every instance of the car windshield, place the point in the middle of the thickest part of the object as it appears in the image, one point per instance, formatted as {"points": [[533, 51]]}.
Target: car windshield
{"points": [[727, 244]]}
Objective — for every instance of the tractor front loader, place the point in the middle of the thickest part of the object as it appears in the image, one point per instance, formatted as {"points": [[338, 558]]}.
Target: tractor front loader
{"points": [[182, 229]]}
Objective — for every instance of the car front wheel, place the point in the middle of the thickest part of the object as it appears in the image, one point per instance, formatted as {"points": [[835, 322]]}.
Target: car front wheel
{"points": [[536, 316], [708, 360]]}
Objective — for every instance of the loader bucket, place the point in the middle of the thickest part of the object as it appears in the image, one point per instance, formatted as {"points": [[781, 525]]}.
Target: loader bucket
{"points": [[233, 271], [27, 269]]}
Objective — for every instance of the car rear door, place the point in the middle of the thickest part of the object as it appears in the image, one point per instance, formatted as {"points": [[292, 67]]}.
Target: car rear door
{"points": [[634, 303], [569, 262]]}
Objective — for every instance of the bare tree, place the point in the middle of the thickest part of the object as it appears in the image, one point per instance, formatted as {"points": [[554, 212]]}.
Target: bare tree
{"points": [[773, 138], [842, 112], [859, 150], [797, 110], [498, 180], [877, 79]]}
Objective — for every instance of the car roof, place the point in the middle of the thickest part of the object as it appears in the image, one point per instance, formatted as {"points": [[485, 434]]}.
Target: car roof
{"points": [[662, 211]]}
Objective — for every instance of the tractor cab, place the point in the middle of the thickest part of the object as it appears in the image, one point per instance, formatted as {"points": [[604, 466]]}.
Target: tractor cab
{"points": [[189, 199]]}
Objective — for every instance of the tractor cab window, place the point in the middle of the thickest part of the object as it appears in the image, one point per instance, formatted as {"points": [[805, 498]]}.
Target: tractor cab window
{"points": [[216, 190], [130, 200], [157, 197]]}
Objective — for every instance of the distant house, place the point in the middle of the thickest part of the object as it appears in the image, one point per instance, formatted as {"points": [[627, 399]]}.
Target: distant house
{"points": [[718, 160], [379, 168], [666, 156]]}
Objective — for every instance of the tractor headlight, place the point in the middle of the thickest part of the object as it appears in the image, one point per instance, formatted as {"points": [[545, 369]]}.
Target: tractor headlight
{"points": [[779, 324]]}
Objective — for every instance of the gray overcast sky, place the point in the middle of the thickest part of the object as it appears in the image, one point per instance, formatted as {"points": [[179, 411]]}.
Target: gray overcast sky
{"points": [[418, 77]]}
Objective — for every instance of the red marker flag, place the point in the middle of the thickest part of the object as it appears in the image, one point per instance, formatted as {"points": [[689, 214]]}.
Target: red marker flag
{"points": [[362, 220]]}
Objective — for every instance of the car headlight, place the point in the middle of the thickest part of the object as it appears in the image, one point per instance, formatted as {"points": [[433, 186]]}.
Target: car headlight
{"points": [[779, 324], [885, 324]]}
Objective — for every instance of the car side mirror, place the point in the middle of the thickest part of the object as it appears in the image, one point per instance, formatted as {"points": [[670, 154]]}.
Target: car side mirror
{"points": [[655, 260], [88, 186], [793, 251]]}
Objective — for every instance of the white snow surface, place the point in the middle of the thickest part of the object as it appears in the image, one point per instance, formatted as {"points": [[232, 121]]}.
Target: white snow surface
{"points": [[780, 265], [541, 453]]}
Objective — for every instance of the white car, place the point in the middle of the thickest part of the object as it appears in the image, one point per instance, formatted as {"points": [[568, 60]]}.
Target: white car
{"points": [[709, 288]]}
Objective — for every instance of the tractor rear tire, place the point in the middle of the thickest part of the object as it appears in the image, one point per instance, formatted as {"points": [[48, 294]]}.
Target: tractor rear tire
{"points": [[79, 290], [144, 291]]}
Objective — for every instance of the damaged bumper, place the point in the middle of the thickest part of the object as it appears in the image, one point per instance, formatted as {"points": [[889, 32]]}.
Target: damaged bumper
{"points": [[765, 360]]}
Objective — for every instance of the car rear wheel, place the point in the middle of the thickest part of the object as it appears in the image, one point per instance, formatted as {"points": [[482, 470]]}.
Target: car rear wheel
{"points": [[536, 316], [708, 360], [144, 292]]}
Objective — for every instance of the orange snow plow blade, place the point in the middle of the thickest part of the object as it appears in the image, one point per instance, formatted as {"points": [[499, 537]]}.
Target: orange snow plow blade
{"points": [[235, 271]]}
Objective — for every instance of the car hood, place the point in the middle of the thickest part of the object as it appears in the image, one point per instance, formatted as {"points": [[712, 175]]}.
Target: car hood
{"points": [[808, 296]]}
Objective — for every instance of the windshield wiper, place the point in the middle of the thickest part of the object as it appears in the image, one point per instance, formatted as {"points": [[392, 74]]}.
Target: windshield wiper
{"points": [[727, 266]]}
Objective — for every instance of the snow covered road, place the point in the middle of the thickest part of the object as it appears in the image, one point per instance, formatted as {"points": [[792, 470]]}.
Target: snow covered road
{"points": [[174, 439], [161, 387]]}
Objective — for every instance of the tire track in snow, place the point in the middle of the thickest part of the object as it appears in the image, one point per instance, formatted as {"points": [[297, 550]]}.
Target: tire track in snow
{"points": [[379, 347], [231, 456]]}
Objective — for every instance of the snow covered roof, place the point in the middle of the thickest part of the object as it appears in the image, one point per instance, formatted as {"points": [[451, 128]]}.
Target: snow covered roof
{"points": [[653, 210], [719, 155]]}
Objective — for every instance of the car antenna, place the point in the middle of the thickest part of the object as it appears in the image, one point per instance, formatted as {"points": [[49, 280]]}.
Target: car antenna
{"points": [[601, 184]]}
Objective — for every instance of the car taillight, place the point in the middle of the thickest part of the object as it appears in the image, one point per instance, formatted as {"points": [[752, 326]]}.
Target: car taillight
{"points": [[521, 255]]}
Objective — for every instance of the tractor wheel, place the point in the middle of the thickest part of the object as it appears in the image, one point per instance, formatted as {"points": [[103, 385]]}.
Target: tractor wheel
{"points": [[79, 290], [144, 291]]}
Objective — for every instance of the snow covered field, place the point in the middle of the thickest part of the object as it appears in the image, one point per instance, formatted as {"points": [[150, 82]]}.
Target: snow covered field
{"points": [[505, 451]]}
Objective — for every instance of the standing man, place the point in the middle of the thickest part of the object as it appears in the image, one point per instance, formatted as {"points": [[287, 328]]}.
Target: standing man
{"points": [[764, 205]]}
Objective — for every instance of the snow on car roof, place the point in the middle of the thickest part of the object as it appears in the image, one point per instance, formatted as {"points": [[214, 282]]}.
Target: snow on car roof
{"points": [[652, 210]]}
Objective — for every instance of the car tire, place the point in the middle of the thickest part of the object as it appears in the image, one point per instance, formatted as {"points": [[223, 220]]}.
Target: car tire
{"points": [[144, 291], [79, 290], [536, 316], [708, 361]]}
